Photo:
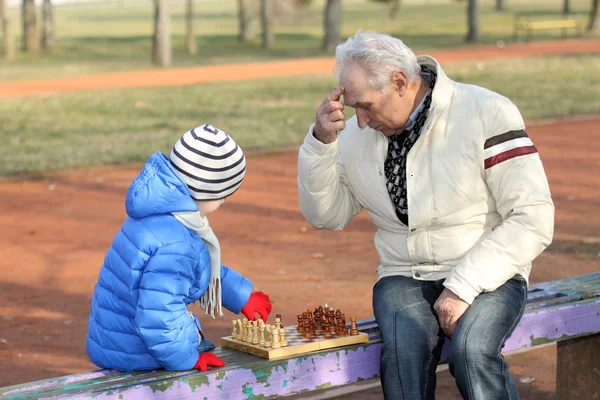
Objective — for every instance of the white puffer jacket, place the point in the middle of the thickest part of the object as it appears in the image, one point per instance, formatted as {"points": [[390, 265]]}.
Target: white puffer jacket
{"points": [[479, 204]]}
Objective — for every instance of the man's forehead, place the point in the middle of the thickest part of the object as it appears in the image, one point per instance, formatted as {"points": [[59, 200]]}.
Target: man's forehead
{"points": [[355, 96]]}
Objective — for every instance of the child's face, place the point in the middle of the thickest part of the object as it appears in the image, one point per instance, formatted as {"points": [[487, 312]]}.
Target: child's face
{"points": [[207, 207]]}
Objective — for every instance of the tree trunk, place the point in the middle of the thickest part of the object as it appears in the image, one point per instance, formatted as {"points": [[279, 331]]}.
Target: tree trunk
{"points": [[473, 22], [8, 44], [190, 37], [247, 20], [331, 24], [566, 6], [594, 24], [500, 5], [266, 16], [395, 9], [161, 54], [47, 25], [30, 38]]}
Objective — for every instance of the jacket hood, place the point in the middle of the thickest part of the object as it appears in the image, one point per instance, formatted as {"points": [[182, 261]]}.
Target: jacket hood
{"points": [[158, 189]]}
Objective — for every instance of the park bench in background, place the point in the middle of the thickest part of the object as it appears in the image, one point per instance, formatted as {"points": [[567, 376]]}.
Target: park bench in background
{"points": [[528, 24], [566, 311]]}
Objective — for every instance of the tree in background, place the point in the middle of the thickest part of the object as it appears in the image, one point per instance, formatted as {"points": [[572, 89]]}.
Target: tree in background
{"points": [[266, 17], [594, 24], [500, 5], [30, 36], [161, 44], [190, 36], [473, 35], [47, 25], [566, 6], [331, 23], [7, 39], [247, 11], [395, 9]]}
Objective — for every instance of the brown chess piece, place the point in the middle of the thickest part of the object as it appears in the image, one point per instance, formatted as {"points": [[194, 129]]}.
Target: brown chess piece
{"points": [[299, 328], [327, 335], [353, 330], [280, 320]]}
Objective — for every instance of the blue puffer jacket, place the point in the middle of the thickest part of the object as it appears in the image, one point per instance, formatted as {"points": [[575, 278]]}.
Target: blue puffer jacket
{"points": [[153, 270]]}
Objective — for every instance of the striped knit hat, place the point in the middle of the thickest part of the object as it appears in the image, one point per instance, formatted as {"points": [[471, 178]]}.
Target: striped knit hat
{"points": [[210, 162]]}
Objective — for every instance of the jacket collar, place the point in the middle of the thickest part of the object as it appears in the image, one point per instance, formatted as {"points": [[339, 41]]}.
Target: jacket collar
{"points": [[443, 89]]}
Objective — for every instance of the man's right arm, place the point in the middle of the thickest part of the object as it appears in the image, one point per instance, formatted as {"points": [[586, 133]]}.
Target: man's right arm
{"points": [[326, 199]]}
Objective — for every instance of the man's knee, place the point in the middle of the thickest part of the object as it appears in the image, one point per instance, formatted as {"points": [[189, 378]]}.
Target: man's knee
{"points": [[473, 349]]}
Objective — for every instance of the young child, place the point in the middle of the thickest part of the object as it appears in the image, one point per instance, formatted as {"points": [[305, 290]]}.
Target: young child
{"points": [[165, 257]]}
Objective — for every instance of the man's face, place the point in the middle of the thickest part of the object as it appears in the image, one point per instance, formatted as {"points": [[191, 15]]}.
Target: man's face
{"points": [[383, 110]]}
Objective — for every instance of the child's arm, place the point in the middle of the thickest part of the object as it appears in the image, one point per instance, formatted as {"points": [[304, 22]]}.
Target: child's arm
{"points": [[161, 319], [238, 297], [236, 290]]}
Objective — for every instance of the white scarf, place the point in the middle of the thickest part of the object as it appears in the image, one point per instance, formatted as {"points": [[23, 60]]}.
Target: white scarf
{"points": [[210, 300]]}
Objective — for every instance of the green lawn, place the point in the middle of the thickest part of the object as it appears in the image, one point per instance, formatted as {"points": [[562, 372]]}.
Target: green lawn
{"points": [[118, 126], [115, 36]]}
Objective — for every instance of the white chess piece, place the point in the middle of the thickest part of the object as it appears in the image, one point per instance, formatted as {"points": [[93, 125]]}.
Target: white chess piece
{"points": [[282, 339], [255, 338], [240, 330], [268, 335], [275, 338], [261, 327], [245, 330], [234, 331]]}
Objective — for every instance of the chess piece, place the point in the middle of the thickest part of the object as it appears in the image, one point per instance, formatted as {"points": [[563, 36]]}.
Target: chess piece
{"points": [[255, 338], [282, 339], [233, 332], [353, 330], [239, 330], [280, 319], [278, 322], [327, 335], [261, 328], [299, 329], [244, 337], [275, 338], [268, 335]]}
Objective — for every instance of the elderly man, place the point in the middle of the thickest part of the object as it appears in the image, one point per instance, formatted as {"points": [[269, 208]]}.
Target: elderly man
{"points": [[459, 196]]}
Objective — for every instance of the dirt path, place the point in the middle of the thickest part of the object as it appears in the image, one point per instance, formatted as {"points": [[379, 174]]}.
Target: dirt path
{"points": [[55, 233], [195, 75]]}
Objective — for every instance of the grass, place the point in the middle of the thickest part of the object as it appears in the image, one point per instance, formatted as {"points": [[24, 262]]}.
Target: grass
{"points": [[119, 126], [113, 36]]}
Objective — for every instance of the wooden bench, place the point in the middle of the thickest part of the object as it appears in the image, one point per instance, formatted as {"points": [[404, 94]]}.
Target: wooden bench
{"points": [[565, 311], [525, 23]]}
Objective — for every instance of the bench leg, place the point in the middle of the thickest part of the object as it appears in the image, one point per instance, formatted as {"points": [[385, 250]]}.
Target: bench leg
{"points": [[578, 368]]}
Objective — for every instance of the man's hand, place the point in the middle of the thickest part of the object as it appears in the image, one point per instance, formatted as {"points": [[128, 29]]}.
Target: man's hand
{"points": [[449, 308], [330, 117]]}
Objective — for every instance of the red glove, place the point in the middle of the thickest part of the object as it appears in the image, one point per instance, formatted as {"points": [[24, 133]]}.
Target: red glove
{"points": [[206, 360], [257, 303]]}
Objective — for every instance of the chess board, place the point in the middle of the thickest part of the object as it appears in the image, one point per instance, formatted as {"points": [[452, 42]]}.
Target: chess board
{"points": [[296, 344]]}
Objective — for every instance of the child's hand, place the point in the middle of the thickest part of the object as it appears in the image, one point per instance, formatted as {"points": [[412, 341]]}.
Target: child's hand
{"points": [[257, 303], [206, 360]]}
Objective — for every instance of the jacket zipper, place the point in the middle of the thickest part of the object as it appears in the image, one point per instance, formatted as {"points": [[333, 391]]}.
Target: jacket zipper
{"points": [[195, 322]]}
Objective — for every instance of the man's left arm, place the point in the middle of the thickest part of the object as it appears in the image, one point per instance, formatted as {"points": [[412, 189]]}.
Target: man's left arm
{"points": [[518, 183]]}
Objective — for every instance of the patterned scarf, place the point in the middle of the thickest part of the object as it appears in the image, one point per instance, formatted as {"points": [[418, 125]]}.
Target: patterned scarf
{"points": [[398, 148]]}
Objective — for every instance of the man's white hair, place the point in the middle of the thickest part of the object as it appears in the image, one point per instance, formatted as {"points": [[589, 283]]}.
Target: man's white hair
{"points": [[379, 55]]}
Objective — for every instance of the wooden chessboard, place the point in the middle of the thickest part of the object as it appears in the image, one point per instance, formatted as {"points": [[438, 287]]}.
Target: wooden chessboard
{"points": [[296, 344]]}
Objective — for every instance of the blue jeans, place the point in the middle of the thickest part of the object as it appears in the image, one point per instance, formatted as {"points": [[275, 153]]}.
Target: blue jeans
{"points": [[413, 339]]}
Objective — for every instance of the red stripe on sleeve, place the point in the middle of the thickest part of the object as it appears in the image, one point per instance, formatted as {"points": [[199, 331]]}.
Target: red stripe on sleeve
{"points": [[507, 155]]}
